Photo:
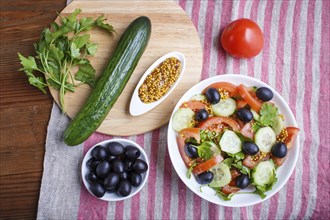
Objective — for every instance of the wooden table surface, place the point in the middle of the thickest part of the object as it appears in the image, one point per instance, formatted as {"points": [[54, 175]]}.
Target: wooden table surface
{"points": [[24, 110]]}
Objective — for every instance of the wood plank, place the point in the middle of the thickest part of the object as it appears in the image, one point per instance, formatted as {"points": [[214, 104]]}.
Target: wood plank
{"points": [[24, 110]]}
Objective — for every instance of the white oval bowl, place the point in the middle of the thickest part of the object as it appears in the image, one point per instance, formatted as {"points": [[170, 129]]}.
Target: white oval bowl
{"points": [[240, 200], [114, 196], [137, 107]]}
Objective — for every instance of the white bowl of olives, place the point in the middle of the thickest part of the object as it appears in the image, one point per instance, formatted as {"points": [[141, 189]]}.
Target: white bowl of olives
{"points": [[115, 169]]}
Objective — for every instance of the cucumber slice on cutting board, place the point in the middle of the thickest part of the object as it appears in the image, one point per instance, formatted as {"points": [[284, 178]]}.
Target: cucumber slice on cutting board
{"points": [[225, 107], [230, 142], [183, 118], [221, 174], [265, 138], [263, 173]]}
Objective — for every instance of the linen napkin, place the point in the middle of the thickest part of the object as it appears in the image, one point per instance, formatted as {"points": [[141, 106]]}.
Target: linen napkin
{"points": [[295, 61]]}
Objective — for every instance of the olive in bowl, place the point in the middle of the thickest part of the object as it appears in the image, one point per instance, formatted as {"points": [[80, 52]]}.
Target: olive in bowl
{"points": [[115, 169]]}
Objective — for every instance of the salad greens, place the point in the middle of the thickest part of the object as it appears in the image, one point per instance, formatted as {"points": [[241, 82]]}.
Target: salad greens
{"points": [[60, 48], [267, 112]]}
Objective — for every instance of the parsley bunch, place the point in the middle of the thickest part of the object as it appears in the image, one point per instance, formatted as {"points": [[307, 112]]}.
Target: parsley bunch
{"points": [[59, 50]]}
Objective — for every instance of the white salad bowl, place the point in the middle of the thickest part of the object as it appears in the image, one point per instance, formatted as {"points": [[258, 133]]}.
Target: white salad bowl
{"points": [[137, 107], [240, 200], [114, 196]]}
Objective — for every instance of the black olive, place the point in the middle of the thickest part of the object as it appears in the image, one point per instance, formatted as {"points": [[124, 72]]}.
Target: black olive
{"points": [[139, 166], [244, 115], [97, 189], [205, 178], [111, 181], [99, 153], [124, 188], [201, 115], [111, 158], [92, 163], [264, 94], [190, 150], [213, 95], [242, 181], [92, 177], [250, 148], [103, 169], [115, 148], [279, 150], [124, 175], [118, 165], [132, 153], [135, 179], [128, 165]]}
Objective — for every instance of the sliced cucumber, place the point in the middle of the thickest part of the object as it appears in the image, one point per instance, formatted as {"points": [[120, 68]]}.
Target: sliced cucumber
{"points": [[230, 142], [225, 107], [221, 174], [265, 138], [214, 147], [255, 115], [278, 124], [199, 97], [264, 173], [183, 118]]}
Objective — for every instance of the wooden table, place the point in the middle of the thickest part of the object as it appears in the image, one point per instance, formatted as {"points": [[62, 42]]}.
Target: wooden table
{"points": [[24, 110]]}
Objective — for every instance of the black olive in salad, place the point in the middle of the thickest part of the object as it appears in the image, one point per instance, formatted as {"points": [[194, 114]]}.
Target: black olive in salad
{"points": [[115, 168]]}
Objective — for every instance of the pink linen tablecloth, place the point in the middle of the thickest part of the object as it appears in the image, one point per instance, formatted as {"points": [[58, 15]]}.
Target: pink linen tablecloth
{"points": [[295, 61]]}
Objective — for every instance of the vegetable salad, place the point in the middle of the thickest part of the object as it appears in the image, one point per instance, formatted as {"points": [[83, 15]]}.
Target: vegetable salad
{"points": [[233, 137]]}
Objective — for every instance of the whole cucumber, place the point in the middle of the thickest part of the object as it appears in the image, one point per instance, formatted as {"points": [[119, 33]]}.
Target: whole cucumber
{"points": [[111, 83]]}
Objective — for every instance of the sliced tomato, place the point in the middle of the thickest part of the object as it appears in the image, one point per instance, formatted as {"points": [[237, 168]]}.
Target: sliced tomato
{"points": [[194, 105], [216, 123], [234, 174], [229, 87], [229, 189], [241, 103], [205, 166], [253, 102], [181, 140], [292, 136], [247, 130], [252, 161]]}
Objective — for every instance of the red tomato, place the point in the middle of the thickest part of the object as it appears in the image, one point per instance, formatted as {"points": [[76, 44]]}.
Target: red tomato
{"points": [[292, 136], [246, 95], [242, 38], [229, 189], [205, 166], [194, 105], [229, 87], [216, 123], [247, 130], [252, 161], [241, 103], [184, 134]]}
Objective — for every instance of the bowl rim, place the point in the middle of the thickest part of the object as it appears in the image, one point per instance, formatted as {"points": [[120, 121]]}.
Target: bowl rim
{"points": [[206, 194], [125, 142]]}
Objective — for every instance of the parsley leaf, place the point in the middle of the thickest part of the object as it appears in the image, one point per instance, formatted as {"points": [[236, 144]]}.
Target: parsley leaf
{"points": [[268, 112], [61, 48], [204, 150]]}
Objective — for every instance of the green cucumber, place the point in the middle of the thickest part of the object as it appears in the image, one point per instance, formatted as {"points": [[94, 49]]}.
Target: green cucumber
{"points": [[264, 173], [225, 107], [278, 124], [265, 138], [230, 142], [222, 175], [111, 83], [183, 118]]}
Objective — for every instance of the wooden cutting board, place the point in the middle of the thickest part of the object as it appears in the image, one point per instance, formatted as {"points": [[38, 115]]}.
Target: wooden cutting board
{"points": [[172, 30]]}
